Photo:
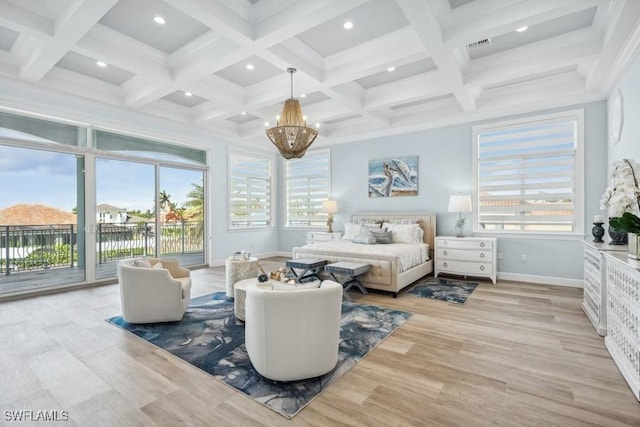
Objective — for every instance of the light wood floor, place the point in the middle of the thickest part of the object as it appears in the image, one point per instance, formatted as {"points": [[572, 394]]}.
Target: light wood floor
{"points": [[515, 355]]}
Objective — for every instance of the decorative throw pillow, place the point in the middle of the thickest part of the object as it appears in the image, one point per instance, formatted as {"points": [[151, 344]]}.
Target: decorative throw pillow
{"points": [[364, 239], [142, 263], [371, 224], [351, 231], [381, 236], [404, 233]]}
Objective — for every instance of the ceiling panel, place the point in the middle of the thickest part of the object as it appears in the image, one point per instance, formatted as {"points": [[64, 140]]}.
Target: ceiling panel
{"points": [[134, 18], [179, 97], [84, 65], [242, 118], [371, 20], [538, 32], [240, 75], [399, 73], [7, 38]]}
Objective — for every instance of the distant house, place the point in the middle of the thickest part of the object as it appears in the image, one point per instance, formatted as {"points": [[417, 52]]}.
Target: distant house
{"points": [[25, 227], [110, 214], [35, 215]]}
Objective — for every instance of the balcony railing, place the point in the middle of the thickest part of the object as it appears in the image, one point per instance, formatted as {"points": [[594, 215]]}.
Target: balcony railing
{"points": [[33, 247]]}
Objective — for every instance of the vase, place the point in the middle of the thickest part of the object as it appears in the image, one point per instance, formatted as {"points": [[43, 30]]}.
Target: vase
{"points": [[617, 237], [598, 232], [633, 251]]}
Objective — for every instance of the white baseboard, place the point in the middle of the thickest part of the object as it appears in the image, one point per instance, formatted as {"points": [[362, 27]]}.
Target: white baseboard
{"points": [[544, 280]]}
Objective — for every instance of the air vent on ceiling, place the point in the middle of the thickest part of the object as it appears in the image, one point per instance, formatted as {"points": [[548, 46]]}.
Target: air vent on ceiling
{"points": [[479, 44]]}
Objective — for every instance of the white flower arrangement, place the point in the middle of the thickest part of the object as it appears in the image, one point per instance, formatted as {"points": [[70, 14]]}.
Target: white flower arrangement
{"points": [[622, 194]]}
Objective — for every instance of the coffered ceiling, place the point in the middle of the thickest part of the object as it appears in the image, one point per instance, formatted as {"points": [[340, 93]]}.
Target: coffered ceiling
{"points": [[404, 65]]}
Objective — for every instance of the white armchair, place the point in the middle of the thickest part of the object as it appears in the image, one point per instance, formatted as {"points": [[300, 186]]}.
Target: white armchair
{"points": [[293, 334], [149, 294]]}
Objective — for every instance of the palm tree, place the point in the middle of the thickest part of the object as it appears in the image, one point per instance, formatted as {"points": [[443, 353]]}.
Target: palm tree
{"points": [[195, 205], [165, 201]]}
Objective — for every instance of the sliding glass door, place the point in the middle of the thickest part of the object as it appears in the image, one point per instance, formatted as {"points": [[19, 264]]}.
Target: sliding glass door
{"points": [[181, 203], [125, 213], [42, 219]]}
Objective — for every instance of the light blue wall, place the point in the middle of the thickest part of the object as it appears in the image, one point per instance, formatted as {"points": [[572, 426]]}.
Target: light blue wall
{"points": [[629, 144], [444, 164]]}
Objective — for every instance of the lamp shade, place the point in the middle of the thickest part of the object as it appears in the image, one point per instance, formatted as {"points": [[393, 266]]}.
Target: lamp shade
{"points": [[460, 203], [329, 206]]}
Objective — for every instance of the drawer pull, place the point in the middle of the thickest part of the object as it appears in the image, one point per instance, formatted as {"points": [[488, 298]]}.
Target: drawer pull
{"points": [[444, 253], [444, 264], [482, 244], [482, 267], [482, 255], [445, 242]]}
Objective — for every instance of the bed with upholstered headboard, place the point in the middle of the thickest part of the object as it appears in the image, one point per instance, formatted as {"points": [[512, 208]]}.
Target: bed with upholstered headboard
{"points": [[392, 267]]}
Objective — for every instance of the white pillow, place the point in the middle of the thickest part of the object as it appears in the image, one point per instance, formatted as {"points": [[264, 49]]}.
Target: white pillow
{"points": [[142, 263], [158, 265], [351, 231], [404, 233]]}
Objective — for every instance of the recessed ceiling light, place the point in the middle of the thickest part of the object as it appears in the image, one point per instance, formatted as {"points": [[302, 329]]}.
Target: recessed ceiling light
{"points": [[521, 29], [266, 123], [317, 125], [303, 95], [304, 117], [391, 69], [347, 25], [101, 64], [250, 67], [243, 113], [159, 20], [188, 94]]}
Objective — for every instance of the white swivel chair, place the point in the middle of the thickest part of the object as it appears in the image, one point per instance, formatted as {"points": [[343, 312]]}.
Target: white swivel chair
{"points": [[150, 294], [293, 334]]}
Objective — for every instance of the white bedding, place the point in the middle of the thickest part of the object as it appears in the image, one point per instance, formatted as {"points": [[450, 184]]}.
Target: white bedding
{"points": [[409, 254]]}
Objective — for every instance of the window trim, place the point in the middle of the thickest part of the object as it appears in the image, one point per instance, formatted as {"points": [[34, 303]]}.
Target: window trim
{"points": [[578, 230], [272, 196], [283, 169]]}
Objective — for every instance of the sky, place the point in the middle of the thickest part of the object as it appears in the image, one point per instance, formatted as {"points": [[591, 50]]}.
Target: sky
{"points": [[47, 178]]}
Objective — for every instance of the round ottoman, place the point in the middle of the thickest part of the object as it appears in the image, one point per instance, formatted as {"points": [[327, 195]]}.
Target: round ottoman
{"points": [[236, 270]]}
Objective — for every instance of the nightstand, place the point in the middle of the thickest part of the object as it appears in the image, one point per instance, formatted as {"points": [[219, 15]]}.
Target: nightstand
{"points": [[466, 256], [322, 236]]}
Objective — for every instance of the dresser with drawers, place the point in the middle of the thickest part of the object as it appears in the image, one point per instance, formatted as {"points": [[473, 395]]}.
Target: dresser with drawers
{"points": [[466, 256], [322, 236]]}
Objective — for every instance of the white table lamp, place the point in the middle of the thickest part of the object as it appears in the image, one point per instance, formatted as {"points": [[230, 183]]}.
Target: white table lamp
{"points": [[330, 207], [462, 204]]}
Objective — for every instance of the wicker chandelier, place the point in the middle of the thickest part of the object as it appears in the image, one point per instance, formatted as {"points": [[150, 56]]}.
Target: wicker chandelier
{"points": [[291, 135]]}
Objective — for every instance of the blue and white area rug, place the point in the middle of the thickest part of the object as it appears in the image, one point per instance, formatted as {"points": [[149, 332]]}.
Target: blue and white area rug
{"points": [[212, 339], [448, 290]]}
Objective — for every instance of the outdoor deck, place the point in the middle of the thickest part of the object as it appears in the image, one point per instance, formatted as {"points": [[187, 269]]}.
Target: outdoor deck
{"points": [[61, 276]]}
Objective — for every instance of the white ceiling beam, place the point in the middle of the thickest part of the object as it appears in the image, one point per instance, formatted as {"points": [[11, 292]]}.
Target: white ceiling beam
{"points": [[425, 22], [21, 20], [71, 25]]}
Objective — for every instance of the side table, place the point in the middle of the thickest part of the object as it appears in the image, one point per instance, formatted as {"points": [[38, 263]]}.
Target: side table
{"points": [[236, 270]]}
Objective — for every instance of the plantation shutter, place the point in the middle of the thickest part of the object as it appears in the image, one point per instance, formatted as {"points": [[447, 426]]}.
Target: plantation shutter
{"points": [[307, 186], [527, 176], [249, 191]]}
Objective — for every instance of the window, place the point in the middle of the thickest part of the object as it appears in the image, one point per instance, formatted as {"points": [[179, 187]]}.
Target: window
{"points": [[307, 186], [249, 191], [528, 175]]}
